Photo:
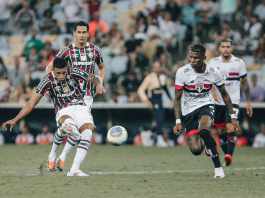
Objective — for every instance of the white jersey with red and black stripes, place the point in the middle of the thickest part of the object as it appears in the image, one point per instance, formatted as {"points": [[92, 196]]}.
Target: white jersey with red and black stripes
{"points": [[84, 61], [63, 93], [233, 71], [196, 87]]}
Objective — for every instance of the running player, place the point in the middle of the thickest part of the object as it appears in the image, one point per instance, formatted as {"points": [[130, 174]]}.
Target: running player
{"points": [[84, 58], [72, 116], [194, 106], [235, 73]]}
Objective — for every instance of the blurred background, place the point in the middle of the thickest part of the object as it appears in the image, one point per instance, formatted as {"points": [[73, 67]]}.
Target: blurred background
{"points": [[132, 34]]}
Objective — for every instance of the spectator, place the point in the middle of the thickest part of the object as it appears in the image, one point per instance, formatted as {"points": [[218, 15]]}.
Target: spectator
{"points": [[5, 14], [97, 25], [25, 18], [259, 140], [130, 85], [257, 92], [49, 25], [46, 137], [32, 43], [260, 10], [25, 137], [74, 12]]}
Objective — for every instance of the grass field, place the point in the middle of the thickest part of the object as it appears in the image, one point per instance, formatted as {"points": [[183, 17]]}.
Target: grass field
{"points": [[130, 172]]}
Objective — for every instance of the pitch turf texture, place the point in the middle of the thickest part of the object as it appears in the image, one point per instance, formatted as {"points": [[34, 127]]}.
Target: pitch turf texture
{"points": [[127, 171]]}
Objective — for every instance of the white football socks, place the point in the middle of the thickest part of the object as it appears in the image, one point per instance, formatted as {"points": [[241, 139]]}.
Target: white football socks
{"points": [[82, 149]]}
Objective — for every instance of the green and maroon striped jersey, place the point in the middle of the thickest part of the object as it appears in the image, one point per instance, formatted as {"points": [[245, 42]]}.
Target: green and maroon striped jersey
{"points": [[83, 61]]}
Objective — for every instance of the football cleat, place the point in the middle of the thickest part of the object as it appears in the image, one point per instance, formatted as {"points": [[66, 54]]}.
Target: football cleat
{"points": [[228, 159], [219, 173], [77, 173], [60, 164]]}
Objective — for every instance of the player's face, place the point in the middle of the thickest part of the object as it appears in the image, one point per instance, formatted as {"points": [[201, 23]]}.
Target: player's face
{"points": [[60, 74], [225, 49], [195, 59], [81, 34]]}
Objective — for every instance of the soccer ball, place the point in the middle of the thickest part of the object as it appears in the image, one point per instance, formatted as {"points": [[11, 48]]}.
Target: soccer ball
{"points": [[117, 135]]}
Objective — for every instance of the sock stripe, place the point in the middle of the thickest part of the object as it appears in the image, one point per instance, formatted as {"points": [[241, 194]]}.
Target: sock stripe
{"points": [[84, 144], [71, 143], [82, 147]]}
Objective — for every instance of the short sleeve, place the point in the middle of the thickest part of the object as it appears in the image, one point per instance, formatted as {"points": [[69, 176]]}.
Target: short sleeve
{"points": [[98, 54], [218, 77], [243, 69], [43, 86], [179, 80]]}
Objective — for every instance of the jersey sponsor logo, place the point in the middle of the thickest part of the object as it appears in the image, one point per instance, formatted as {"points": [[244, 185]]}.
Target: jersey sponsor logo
{"points": [[82, 63]]}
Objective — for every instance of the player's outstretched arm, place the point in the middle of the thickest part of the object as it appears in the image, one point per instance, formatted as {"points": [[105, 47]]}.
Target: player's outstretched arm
{"points": [[177, 109], [34, 99], [246, 90]]}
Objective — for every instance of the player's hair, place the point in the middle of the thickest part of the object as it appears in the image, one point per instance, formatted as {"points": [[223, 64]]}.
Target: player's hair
{"points": [[59, 63], [198, 48], [226, 40], [81, 23]]}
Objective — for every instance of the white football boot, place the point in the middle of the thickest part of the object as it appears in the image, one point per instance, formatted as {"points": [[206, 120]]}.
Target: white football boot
{"points": [[219, 172], [77, 173]]}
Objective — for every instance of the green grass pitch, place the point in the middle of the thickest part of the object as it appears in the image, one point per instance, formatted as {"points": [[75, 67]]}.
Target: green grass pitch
{"points": [[131, 172]]}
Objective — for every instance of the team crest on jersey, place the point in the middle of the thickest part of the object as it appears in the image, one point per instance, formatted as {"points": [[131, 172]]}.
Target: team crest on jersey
{"points": [[199, 87], [66, 88]]}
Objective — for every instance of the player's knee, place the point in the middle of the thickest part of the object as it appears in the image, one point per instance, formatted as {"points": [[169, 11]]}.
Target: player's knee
{"points": [[68, 126], [86, 126], [205, 123]]}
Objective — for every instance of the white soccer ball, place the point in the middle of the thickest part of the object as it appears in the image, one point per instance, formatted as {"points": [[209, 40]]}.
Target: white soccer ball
{"points": [[117, 135]]}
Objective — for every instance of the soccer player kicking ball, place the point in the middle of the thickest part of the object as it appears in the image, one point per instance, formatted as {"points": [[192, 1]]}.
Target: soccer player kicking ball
{"points": [[194, 108], [85, 58], [72, 116], [235, 73]]}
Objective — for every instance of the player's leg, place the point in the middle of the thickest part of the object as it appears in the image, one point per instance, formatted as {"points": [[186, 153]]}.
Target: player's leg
{"points": [[230, 142], [82, 148], [230, 138], [192, 136], [57, 140], [205, 123], [219, 125], [194, 142], [84, 121], [69, 145], [66, 127]]}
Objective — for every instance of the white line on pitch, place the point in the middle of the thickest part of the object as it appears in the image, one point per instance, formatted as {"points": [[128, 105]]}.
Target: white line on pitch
{"points": [[144, 172]]}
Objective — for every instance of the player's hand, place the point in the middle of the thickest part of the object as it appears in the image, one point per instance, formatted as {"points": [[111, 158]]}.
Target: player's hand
{"points": [[9, 125], [235, 125], [100, 90], [177, 128], [249, 109]]}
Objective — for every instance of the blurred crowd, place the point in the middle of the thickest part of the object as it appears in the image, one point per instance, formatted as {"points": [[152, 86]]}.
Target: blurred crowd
{"points": [[132, 35]]}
